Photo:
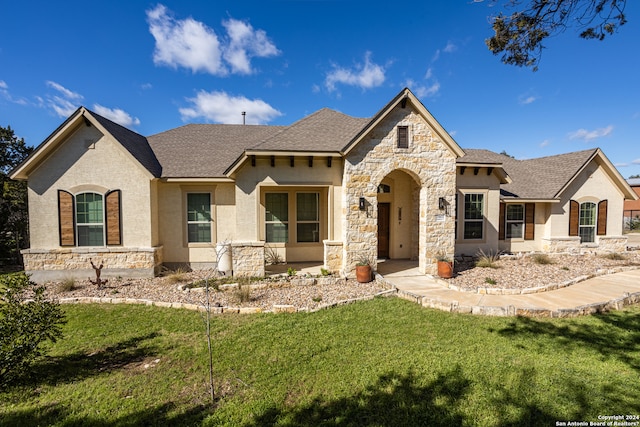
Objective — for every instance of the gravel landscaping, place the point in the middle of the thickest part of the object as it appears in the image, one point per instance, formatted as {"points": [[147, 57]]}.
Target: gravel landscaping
{"points": [[310, 293]]}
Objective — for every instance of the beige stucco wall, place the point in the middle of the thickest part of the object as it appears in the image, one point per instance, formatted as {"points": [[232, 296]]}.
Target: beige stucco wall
{"points": [[253, 181], [489, 185], [592, 184], [172, 219], [89, 161]]}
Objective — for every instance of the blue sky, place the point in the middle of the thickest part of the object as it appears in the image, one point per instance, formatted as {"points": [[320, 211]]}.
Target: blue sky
{"points": [[155, 66]]}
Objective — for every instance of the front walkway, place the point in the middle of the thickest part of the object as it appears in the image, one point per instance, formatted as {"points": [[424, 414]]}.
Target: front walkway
{"points": [[594, 295]]}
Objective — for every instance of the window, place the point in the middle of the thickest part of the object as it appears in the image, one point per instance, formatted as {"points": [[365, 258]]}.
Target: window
{"points": [[514, 221], [587, 225], [277, 217], [308, 217], [473, 216], [199, 217], [403, 136], [89, 219]]}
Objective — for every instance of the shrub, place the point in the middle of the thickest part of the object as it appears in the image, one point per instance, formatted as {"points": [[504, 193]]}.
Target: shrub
{"points": [[67, 285], [490, 281], [487, 260], [27, 321], [243, 292], [542, 259], [614, 256], [324, 272], [291, 271], [178, 275]]}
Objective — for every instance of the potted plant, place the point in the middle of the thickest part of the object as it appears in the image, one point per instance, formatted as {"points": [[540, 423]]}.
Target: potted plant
{"points": [[363, 270], [445, 266]]}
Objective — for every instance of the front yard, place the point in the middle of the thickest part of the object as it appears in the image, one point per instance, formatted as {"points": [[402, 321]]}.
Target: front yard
{"points": [[383, 362]]}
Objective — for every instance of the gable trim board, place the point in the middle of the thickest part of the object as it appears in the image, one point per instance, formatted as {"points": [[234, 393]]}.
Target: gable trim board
{"points": [[145, 217]]}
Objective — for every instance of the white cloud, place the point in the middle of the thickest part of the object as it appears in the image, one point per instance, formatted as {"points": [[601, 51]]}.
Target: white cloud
{"points": [[450, 47], [186, 43], [589, 135], [193, 45], [220, 107], [364, 76], [3, 85], [545, 143], [621, 165], [420, 90], [66, 93], [65, 102], [116, 115], [636, 162], [244, 43], [526, 99]]}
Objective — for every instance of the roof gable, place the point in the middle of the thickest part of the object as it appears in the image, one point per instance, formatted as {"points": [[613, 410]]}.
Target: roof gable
{"points": [[405, 96], [544, 178], [135, 144]]}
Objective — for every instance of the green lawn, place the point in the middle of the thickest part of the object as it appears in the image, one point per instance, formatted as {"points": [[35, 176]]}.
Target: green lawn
{"points": [[384, 362]]}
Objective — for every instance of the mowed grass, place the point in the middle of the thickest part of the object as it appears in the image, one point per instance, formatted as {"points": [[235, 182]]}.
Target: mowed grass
{"points": [[385, 362]]}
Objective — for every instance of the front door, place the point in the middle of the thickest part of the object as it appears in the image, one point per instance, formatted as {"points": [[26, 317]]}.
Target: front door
{"points": [[384, 214]]}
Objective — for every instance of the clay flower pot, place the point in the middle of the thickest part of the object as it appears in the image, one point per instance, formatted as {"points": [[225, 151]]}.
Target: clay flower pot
{"points": [[363, 273], [445, 269]]}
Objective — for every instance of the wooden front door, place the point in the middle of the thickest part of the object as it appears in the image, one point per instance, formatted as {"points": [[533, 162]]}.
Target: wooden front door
{"points": [[384, 219]]}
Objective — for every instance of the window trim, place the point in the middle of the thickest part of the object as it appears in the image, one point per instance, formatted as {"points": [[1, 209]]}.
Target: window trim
{"points": [[186, 222], [508, 221], [78, 224], [287, 222], [593, 226], [316, 221], [464, 220], [292, 191]]}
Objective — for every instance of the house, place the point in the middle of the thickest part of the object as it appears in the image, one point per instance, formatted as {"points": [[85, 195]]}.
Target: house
{"points": [[632, 207], [329, 188]]}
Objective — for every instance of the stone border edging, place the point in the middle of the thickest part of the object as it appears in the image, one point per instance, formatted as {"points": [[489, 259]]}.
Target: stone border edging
{"points": [[511, 310], [536, 289]]}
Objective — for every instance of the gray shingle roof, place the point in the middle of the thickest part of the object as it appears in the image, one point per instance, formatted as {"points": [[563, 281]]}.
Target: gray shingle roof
{"points": [[324, 130], [540, 178], [205, 150]]}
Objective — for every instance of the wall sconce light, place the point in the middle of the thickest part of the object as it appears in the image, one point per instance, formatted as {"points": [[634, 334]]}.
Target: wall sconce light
{"points": [[399, 214], [362, 204], [442, 203]]}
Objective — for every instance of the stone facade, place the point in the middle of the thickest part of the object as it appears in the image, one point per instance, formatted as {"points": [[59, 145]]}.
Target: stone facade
{"points": [[333, 256], [248, 259], [612, 243], [58, 264], [428, 161]]}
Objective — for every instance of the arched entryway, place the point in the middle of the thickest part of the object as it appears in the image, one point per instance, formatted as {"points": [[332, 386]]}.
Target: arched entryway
{"points": [[398, 216]]}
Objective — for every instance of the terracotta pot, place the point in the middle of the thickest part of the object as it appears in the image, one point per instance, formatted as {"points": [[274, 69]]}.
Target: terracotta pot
{"points": [[363, 273], [445, 269]]}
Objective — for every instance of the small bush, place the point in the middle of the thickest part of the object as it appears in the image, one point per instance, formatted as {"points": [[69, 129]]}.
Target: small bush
{"points": [[271, 256], [178, 275], [324, 272], [542, 259], [291, 271], [27, 320], [490, 281], [614, 256], [487, 260], [316, 299], [243, 292], [67, 285]]}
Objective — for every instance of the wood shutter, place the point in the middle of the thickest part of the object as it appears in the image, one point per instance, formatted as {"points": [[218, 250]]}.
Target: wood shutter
{"points": [[529, 221], [66, 218], [501, 226], [112, 217], [574, 217], [403, 136], [602, 218]]}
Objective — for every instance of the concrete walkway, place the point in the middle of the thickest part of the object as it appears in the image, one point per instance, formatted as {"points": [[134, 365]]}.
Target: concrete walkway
{"points": [[598, 294]]}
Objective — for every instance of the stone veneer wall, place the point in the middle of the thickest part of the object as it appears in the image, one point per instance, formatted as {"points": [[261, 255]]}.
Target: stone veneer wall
{"points": [[333, 255], [572, 245], [248, 259], [612, 243], [427, 160], [59, 264]]}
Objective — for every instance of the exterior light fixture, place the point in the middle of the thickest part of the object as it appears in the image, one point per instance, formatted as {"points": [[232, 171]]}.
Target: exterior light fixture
{"points": [[442, 203], [362, 204]]}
